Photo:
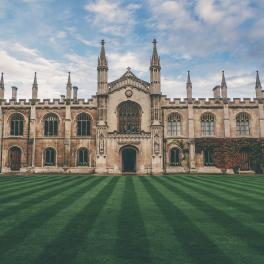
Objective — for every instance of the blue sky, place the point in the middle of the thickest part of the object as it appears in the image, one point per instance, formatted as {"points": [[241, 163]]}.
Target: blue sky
{"points": [[53, 37]]}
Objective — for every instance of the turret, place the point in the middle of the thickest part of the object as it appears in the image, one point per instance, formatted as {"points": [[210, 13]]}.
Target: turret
{"points": [[102, 70], [2, 87], [69, 87], [35, 88], [14, 93], [189, 86], [223, 86], [75, 91], [258, 87], [155, 70]]}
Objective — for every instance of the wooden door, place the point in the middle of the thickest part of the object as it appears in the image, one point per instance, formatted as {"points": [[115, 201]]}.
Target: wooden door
{"points": [[244, 161], [15, 159]]}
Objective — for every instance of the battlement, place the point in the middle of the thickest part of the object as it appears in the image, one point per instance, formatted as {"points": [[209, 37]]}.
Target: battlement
{"points": [[91, 102], [170, 102]]}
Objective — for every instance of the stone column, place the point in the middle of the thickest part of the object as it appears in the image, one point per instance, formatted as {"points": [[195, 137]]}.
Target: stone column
{"points": [[67, 137], [1, 142], [32, 135], [226, 121], [191, 136], [261, 120]]}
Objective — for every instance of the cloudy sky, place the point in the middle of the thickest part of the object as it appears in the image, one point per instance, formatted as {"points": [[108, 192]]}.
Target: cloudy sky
{"points": [[53, 37]]}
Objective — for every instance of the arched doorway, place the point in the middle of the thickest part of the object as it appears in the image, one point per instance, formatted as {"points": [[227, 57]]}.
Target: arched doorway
{"points": [[129, 159], [15, 158]]}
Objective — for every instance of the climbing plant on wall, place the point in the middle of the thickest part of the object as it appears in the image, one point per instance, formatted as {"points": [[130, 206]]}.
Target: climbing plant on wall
{"points": [[227, 152]]}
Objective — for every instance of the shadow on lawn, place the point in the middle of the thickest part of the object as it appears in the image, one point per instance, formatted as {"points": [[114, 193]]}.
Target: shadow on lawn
{"points": [[132, 243], [65, 247], [195, 243]]}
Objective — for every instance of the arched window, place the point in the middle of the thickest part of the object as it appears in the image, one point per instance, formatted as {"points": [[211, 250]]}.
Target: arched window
{"points": [[17, 125], [83, 125], [242, 124], [82, 157], [129, 117], [174, 124], [208, 157], [207, 124], [175, 159], [51, 125], [50, 157]]}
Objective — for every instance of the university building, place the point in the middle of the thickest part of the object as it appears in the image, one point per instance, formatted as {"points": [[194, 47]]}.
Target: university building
{"points": [[129, 126]]}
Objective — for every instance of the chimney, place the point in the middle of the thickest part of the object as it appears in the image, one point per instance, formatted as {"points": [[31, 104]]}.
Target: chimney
{"points": [[217, 91], [75, 90], [14, 93], [62, 97]]}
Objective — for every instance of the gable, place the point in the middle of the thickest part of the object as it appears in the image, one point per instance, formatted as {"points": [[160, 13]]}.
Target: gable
{"points": [[128, 79]]}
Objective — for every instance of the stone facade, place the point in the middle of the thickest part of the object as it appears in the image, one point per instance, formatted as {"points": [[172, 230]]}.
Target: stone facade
{"points": [[154, 144]]}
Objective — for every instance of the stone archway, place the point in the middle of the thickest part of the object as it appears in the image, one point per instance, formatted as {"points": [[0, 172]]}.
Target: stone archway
{"points": [[129, 159]]}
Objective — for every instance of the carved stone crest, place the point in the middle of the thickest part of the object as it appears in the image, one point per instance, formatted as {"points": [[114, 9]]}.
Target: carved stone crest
{"points": [[128, 93]]}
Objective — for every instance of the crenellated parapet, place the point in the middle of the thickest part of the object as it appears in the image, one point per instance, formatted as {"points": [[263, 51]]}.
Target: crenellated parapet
{"points": [[210, 102], [91, 102]]}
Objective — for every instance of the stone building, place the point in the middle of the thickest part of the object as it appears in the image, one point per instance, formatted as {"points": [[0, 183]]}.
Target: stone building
{"points": [[127, 127]]}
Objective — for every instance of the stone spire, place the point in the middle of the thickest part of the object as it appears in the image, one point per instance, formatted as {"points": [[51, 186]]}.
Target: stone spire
{"points": [[189, 86], [258, 87], [69, 87], [35, 88], [102, 61], [102, 72], [223, 86], [155, 70], [155, 59], [2, 87]]}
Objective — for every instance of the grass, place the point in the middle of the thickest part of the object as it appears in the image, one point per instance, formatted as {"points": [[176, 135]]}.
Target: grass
{"points": [[169, 219]]}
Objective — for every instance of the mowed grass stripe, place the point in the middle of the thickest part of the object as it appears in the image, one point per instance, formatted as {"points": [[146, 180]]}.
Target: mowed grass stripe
{"points": [[38, 215], [164, 246], [15, 195], [218, 214], [254, 184], [35, 199], [242, 200], [249, 192], [195, 243], [54, 218], [65, 247], [103, 235], [209, 221], [132, 244], [23, 186], [17, 183]]}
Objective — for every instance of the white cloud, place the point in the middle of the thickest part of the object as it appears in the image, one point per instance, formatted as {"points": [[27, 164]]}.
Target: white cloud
{"points": [[112, 16]]}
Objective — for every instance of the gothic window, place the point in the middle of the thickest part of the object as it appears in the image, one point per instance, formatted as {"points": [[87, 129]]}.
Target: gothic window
{"points": [[207, 123], [208, 157], [50, 157], [17, 125], [83, 125], [51, 125], [242, 124], [83, 157], [174, 125], [129, 117], [175, 159]]}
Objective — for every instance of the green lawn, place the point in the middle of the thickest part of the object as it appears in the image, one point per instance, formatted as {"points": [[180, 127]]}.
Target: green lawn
{"points": [[168, 219]]}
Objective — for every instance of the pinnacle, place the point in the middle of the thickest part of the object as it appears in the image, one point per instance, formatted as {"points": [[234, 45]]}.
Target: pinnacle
{"points": [[258, 83], [223, 84], [189, 78], [2, 81]]}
